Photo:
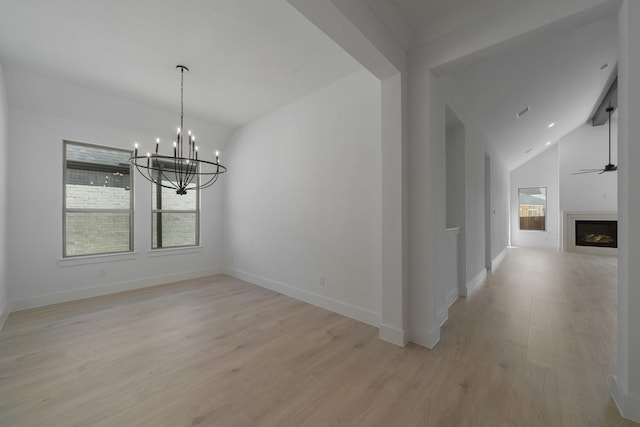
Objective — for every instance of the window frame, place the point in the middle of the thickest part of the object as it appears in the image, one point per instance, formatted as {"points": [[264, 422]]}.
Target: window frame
{"points": [[158, 191], [546, 192], [66, 210]]}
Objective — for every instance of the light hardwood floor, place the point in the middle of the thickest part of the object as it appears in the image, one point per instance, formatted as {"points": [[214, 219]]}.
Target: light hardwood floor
{"points": [[533, 346]]}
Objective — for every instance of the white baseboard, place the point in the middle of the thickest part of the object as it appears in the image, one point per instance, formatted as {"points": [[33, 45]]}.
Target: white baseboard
{"points": [[443, 314], [430, 339], [628, 405], [112, 288], [473, 283], [498, 259], [452, 297], [340, 307], [4, 313], [393, 335]]}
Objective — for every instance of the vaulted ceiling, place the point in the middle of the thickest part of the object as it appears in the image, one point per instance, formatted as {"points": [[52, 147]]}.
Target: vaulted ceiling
{"points": [[558, 77], [249, 57]]}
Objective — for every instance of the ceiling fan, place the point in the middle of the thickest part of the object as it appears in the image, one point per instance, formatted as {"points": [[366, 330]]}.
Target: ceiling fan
{"points": [[609, 167]]}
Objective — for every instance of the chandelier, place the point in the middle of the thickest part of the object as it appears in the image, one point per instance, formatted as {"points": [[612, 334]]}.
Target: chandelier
{"points": [[183, 171]]}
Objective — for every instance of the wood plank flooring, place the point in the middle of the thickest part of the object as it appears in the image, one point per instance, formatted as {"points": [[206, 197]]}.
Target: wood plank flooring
{"points": [[533, 346]]}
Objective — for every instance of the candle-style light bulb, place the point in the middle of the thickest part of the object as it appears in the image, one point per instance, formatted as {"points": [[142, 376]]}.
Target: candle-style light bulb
{"points": [[157, 144], [175, 145], [189, 132], [196, 152], [135, 152]]}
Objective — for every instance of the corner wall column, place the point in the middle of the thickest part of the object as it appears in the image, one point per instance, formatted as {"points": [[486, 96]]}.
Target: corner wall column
{"points": [[393, 324], [626, 381]]}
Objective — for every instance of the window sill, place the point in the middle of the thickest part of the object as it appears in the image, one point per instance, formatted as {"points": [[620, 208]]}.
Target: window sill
{"points": [[174, 251], [96, 259]]}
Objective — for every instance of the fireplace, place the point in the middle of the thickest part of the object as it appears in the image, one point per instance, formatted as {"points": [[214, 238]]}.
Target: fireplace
{"points": [[593, 233], [598, 233]]}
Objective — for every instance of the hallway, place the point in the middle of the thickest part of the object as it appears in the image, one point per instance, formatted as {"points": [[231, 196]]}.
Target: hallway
{"points": [[536, 342]]}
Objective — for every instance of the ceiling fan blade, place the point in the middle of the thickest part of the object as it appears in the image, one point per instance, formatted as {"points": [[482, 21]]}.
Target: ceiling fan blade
{"points": [[583, 171]]}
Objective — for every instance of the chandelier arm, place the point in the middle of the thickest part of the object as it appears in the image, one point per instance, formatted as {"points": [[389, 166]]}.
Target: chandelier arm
{"points": [[192, 167], [149, 178], [144, 175], [142, 172], [222, 169], [177, 168], [211, 181], [150, 174], [171, 184]]}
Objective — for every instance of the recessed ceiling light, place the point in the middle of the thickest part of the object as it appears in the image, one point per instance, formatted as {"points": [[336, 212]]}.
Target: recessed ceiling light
{"points": [[552, 124], [548, 142]]}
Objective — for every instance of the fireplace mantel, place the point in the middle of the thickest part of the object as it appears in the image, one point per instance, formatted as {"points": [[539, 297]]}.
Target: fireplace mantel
{"points": [[569, 230]]}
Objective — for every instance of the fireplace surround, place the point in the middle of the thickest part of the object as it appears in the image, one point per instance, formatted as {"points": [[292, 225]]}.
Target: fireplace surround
{"points": [[590, 232]]}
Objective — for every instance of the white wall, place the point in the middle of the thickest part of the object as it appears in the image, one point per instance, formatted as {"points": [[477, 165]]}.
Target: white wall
{"points": [[455, 176], [500, 181], [303, 202], [43, 112], [4, 304], [540, 171], [476, 148], [587, 148]]}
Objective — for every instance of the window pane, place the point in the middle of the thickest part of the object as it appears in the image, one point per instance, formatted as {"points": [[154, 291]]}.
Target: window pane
{"points": [[90, 233], [169, 199], [97, 179], [533, 207], [176, 229], [93, 196]]}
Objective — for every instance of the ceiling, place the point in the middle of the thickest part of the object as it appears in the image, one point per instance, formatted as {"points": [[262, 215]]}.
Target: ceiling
{"points": [[436, 17], [554, 70], [247, 57], [557, 75], [250, 57]]}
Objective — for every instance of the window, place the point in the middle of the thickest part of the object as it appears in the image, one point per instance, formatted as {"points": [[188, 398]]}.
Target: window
{"points": [[533, 208], [97, 202], [175, 217]]}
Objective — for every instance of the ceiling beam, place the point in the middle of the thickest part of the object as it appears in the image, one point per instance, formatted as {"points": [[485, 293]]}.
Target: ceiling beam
{"points": [[601, 116]]}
